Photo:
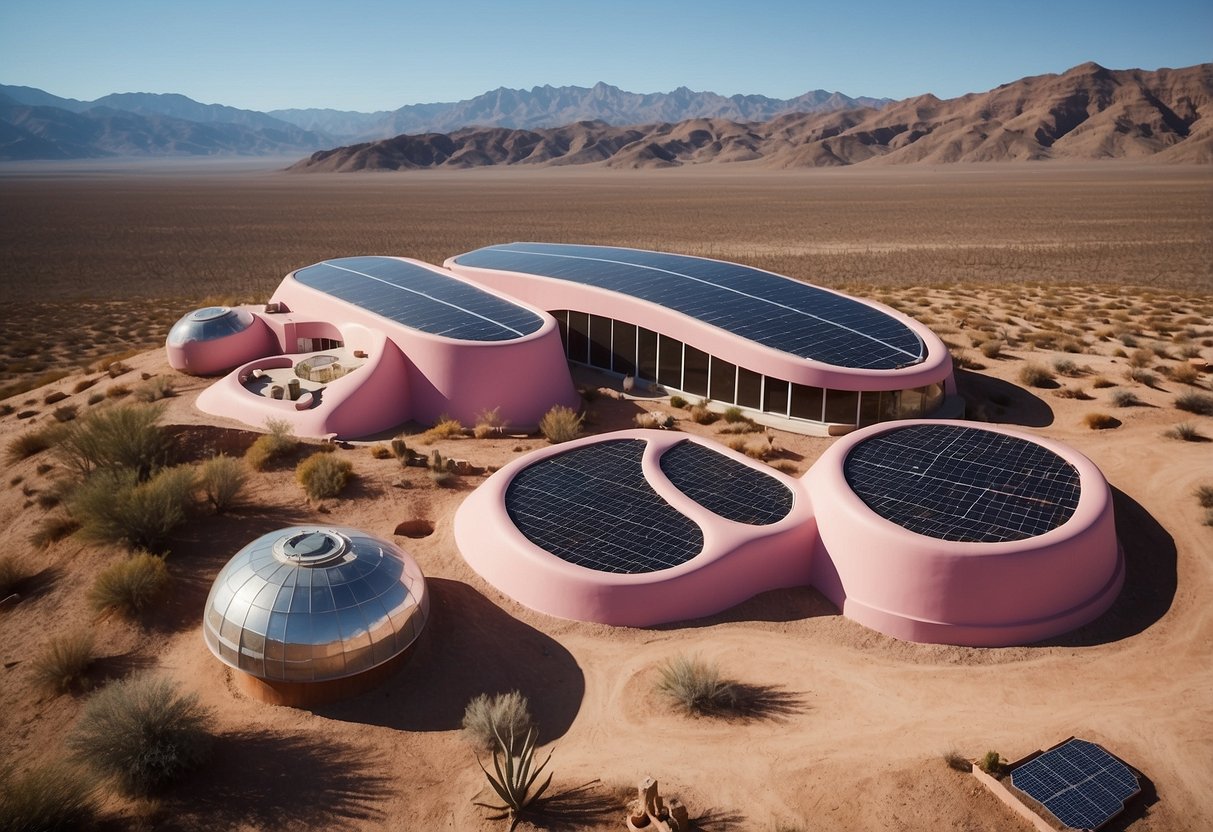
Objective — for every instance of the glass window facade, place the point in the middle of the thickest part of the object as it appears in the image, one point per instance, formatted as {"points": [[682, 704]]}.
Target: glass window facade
{"points": [[628, 349]]}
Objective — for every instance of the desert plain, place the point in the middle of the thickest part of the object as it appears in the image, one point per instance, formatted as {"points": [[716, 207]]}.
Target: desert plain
{"points": [[1091, 271]]}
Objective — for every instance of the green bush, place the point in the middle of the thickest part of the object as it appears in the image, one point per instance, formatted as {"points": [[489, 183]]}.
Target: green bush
{"points": [[991, 763], [696, 686], [323, 475], [51, 797], [64, 663], [222, 480], [271, 447], [501, 713], [125, 438], [560, 424], [142, 732], [1197, 403], [113, 507], [677, 401], [129, 586], [734, 414]]}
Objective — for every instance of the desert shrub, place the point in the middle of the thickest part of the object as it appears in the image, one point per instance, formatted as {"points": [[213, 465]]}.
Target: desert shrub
{"points": [[696, 685], [94, 398], [734, 414], [991, 349], [1125, 398], [124, 438], [678, 401], [739, 426], [1185, 431], [1141, 376], [1036, 375], [381, 451], [222, 480], [51, 797], [1197, 403], [503, 713], [1204, 495], [785, 466], [52, 529], [1185, 374], [962, 361], [273, 446], [654, 419], [444, 428], [65, 413], [155, 389], [1065, 367], [1073, 393], [142, 732], [24, 445], [991, 763], [83, 384], [444, 479], [54, 397], [64, 662], [1099, 383], [323, 475], [129, 586], [488, 422], [701, 415], [1100, 421], [1141, 358], [116, 368], [113, 507], [12, 574], [560, 424], [117, 391], [957, 761]]}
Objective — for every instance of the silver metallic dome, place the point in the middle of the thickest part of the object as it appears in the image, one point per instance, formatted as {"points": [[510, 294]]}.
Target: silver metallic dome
{"points": [[309, 604], [209, 324]]}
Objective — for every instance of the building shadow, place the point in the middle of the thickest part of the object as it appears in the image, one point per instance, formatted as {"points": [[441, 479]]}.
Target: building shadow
{"points": [[1150, 579], [990, 399], [470, 647], [264, 780], [775, 605]]}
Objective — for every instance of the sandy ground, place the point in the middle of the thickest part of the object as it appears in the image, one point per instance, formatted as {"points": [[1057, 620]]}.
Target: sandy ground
{"points": [[857, 723]]}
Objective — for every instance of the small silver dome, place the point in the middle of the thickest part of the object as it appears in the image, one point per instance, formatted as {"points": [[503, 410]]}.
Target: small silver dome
{"points": [[209, 324], [309, 604]]}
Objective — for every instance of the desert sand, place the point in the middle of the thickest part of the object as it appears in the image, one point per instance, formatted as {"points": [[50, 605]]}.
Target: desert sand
{"points": [[858, 723]]}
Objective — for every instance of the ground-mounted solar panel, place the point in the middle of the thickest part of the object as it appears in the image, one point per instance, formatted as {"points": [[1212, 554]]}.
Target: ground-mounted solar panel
{"points": [[766, 308], [420, 298], [593, 507], [961, 483], [1080, 783], [725, 486]]}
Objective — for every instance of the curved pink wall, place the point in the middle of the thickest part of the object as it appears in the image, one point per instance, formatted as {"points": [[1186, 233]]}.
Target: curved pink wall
{"points": [[553, 293], [982, 594], [209, 358], [737, 560]]}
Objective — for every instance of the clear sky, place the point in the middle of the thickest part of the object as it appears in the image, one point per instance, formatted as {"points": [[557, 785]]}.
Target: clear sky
{"points": [[378, 55]]}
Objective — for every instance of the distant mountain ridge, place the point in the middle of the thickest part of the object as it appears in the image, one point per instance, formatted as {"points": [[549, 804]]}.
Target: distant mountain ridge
{"points": [[1088, 112], [35, 124]]}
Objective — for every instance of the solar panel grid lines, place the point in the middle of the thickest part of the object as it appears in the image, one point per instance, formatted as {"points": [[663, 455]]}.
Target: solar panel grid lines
{"points": [[592, 507], [769, 309], [421, 298], [963, 484], [725, 486], [1080, 783]]}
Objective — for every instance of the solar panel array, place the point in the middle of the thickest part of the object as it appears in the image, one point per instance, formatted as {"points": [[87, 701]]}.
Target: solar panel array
{"points": [[775, 311], [420, 298], [963, 484], [725, 486], [593, 507], [1080, 783]]}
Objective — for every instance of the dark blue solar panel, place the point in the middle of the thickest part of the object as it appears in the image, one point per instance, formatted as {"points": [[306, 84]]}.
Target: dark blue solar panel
{"points": [[593, 507], [963, 484], [420, 298], [1082, 785], [775, 311], [725, 486]]}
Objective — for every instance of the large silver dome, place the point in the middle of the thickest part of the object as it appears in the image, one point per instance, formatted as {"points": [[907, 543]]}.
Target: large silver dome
{"points": [[309, 604], [208, 324]]}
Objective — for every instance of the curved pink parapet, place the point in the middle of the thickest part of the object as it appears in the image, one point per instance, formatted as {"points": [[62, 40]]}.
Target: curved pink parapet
{"points": [[735, 560], [920, 587]]}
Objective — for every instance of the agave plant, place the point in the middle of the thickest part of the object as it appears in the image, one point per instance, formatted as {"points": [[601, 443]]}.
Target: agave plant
{"points": [[514, 776]]}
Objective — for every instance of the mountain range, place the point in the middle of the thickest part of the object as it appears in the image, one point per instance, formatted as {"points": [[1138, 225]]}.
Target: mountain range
{"points": [[35, 124], [1088, 112]]}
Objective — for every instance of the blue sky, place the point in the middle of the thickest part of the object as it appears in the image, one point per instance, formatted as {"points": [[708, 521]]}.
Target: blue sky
{"points": [[376, 55]]}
